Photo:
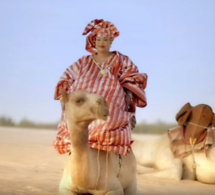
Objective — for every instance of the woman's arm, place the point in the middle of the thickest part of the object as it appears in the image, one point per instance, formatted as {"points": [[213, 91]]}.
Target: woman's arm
{"points": [[67, 79], [134, 84]]}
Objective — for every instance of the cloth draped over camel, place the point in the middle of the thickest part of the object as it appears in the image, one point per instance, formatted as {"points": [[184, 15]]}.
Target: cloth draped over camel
{"points": [[180, 148], [115, 134]]}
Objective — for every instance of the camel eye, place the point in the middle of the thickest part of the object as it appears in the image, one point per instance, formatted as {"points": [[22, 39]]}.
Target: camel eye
{"points": [[79, 100]]}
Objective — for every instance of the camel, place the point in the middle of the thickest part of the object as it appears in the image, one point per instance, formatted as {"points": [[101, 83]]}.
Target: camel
{"points": [[87, 170], [184, 152]]}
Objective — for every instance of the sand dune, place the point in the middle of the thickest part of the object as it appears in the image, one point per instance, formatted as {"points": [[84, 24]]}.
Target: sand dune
{"points": [[30, 166]]}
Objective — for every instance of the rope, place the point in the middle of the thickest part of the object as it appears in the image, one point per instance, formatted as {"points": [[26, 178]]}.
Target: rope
{"points": [[194, 124], [98, 163], [120, 164], [98, 154], [212, 128], [106, 174], [98, 160], [192, 143], [106, 160]]}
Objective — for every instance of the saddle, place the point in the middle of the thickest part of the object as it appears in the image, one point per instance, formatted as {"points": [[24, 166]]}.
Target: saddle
{"points": [[194, 133]]}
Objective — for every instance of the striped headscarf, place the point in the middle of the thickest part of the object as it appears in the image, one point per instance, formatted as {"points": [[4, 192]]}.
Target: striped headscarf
{"points": [[99, 27]]}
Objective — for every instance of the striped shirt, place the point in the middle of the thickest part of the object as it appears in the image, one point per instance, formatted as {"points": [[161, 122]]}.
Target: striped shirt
{"points": [[115, 134]]}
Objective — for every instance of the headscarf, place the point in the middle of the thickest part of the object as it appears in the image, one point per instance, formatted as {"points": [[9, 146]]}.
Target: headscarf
{"points": [[99, 27]]}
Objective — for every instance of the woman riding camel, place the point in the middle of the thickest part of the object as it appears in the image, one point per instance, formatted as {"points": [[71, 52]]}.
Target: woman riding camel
{"points": [[111, 75]]}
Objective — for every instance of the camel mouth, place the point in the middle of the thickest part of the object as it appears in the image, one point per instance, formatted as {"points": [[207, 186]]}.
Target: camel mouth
{"points": [[103, 113], [104, 117]]}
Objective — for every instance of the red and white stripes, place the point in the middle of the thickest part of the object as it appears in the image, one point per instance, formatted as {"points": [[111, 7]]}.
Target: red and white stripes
{"points": [[115, 134]]}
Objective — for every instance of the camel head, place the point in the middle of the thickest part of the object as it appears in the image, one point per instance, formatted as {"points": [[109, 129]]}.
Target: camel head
{"points": [[84, 107], [195, 119]]}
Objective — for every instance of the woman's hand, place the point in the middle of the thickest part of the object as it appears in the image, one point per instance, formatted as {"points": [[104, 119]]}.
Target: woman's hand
{"points": [[128, 97], [133, 122]]}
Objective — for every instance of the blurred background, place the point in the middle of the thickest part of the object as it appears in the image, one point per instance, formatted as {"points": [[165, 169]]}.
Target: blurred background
{"points": [[173, 41]]}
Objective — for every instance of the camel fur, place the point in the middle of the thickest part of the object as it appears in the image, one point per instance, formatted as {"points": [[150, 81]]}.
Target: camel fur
{"points": [[159, 155], [87, 170]]}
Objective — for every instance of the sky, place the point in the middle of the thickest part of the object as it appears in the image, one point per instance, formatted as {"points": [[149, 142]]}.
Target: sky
{"points": [[173, 41]]}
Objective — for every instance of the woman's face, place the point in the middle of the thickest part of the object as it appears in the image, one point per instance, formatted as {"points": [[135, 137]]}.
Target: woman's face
{"points": [[103, 44]]}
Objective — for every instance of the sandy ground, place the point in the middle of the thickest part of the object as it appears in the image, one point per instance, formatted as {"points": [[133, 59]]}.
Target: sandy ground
{"points": [[29, 165]]}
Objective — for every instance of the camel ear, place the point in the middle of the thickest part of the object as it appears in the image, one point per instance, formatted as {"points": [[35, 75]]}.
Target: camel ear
{"points": [[183, 114], [64, 97], [213, 121]]}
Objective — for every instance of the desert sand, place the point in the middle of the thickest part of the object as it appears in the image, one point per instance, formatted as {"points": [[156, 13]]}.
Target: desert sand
{"points": [[30, 165]]}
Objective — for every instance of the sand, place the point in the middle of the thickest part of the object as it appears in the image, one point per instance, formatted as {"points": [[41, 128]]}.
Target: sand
{"points": [[30, 165]]}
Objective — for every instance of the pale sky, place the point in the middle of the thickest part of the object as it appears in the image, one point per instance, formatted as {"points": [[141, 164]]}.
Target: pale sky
{"points": [[173, 41]]}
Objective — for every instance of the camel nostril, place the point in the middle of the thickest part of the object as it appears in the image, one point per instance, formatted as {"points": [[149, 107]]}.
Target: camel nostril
{"points": [[105, 116], [99, 101]]}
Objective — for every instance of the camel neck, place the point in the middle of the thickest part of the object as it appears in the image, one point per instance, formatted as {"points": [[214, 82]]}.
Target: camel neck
{"points": [[79, 136], [79, 157]]}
